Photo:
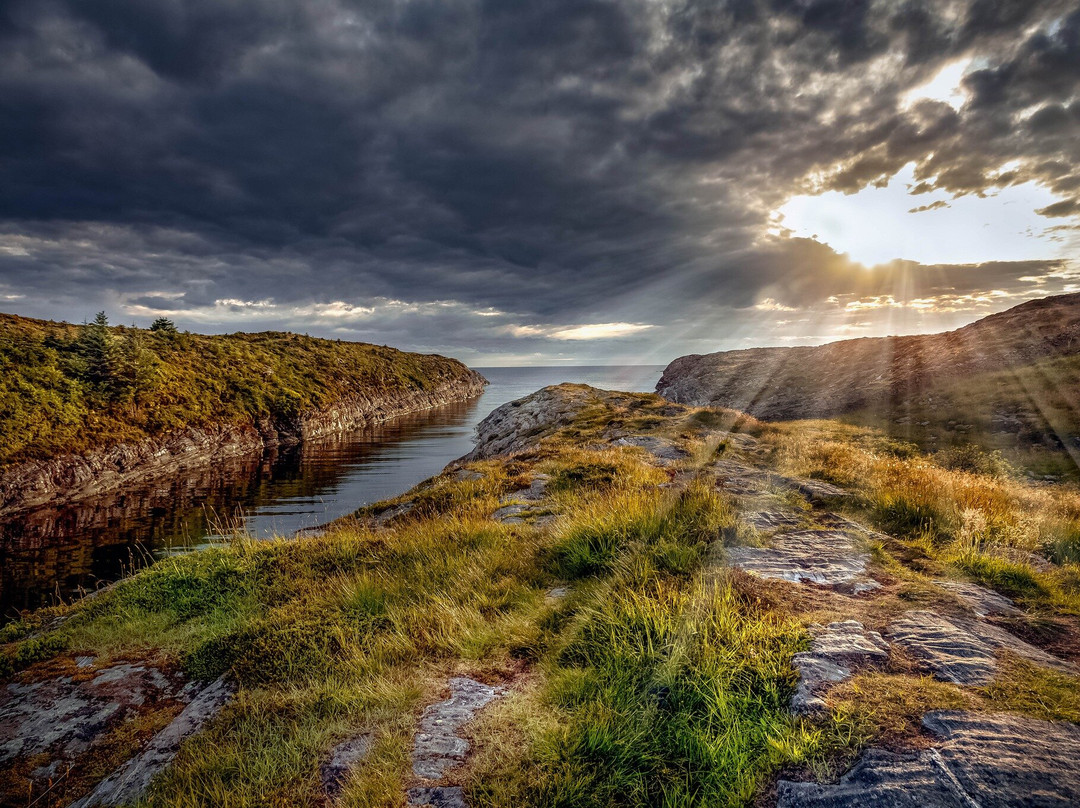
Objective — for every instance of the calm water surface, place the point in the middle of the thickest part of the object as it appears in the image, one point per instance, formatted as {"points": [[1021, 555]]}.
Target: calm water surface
{"points": [[53, 553]]}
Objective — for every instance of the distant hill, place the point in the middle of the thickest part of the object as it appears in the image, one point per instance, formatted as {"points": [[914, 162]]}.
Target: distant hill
{"points": [[1010, 381]]}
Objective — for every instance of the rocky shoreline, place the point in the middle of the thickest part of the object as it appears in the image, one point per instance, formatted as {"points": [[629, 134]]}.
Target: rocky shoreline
{"points": [[73, 477]]}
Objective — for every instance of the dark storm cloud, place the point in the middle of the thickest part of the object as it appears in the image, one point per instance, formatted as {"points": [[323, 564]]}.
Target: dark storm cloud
{"points": [[511, 170]]}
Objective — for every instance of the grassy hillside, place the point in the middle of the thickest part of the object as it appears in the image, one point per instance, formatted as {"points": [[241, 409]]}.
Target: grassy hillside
{"points": [[662, 677], [68, 388], [1009, 382], [1029, 414]]}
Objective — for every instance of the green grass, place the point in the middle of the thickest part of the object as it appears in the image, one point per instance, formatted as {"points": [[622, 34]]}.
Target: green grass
{"points": [[662, 679], [58, 394]]}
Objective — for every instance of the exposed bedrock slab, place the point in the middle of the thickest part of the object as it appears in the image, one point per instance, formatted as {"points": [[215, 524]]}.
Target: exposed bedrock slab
{"points": [[951, 652], [438, 797], [344, 758], [983, 761], [510, 514], [813, 490], [835, 653], [438, 746], [962, 651], [512, 506], [824, 557], [737, 477], [127, 784], [466, 475], [772, 519], [63, 716], [388, 515], [980, 600], [660, 448]]}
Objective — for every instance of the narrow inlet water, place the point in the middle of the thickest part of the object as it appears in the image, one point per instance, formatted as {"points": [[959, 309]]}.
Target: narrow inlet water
{"points": [[54, 553]]}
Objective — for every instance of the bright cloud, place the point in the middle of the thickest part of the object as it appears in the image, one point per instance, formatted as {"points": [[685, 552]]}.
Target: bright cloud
{"points": [[878, 225], [944, 86]]}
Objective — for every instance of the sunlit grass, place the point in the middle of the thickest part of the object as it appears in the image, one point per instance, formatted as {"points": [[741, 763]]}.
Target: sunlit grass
{"points": [[983, 525], [661, 679]]}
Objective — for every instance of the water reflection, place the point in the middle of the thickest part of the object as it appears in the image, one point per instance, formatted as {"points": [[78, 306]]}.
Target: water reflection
{"points": [[56, 552]]}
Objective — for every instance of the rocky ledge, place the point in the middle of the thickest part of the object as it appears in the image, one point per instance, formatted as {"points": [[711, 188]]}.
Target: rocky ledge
{"points": [[72, 477]]}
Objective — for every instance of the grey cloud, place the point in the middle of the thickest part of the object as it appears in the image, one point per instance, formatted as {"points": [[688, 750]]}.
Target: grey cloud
{"points": [[563, 161]]}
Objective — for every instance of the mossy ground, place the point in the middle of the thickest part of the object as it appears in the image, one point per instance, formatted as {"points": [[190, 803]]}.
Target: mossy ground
{"points": [[662, 679], [51, 404]]}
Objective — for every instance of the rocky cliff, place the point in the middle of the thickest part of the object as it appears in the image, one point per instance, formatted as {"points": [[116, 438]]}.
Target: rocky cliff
{"points": [[73, 476], [841, 377]]}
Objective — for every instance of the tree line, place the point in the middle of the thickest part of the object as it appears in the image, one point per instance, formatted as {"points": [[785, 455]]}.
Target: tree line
{"points": [[118, 367]]}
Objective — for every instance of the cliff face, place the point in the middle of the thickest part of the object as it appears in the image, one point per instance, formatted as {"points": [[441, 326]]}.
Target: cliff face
{"points": [[74, 476], [830, 380]]}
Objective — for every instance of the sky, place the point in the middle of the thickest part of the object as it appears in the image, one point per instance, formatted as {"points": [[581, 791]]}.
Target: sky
{"points": [[558, 181]]}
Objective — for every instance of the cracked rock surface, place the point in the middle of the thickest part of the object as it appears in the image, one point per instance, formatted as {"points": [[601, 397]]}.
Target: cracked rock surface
{"points": [[961, 651], [824, 557], [439, 745], [981, 761], [63, 716], [130, 781], [836, 651], [980, 600]]}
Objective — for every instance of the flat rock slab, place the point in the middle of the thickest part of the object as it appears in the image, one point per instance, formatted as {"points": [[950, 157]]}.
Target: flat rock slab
{"points": [[63, 716], [951, 652], [510, 514], [983, 761], [344, 758], [836, 651], [813, 490], [824, 557], [961, 651], [130, 781], [740, 478], [536, 491], [438, 746], [770, 520], [437, 797], [980, 600], [660, 448]]}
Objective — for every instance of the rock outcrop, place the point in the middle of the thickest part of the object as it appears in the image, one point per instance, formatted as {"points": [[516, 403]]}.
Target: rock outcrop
{"points": [[962, 650], [829, 380], [829, 558], [128, 783], [73, 477], [520, 424], [980, 761], [52, 728], [836, 652]]}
